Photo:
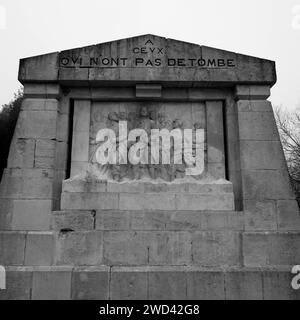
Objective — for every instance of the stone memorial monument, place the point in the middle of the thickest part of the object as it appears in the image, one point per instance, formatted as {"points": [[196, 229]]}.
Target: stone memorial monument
{"points": [[99, 200]]}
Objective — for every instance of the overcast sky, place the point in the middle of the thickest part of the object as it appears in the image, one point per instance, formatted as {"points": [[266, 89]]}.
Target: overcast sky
{"points": [[262, 28]]}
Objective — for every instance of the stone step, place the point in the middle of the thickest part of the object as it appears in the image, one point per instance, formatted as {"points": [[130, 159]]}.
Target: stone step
{"points": [[150, 248], [155, 283], [147, 220], [146, 201]]}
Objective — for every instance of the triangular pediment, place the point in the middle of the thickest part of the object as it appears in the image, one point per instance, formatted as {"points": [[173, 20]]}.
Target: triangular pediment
{"points": [[148, 58]]}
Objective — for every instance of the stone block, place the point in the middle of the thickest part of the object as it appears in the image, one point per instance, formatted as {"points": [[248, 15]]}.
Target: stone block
{"points": [[26, 183], [31, 214], [61, 156], [205, 285], [149, 201], [89, 201], [52, 283], [216, 248], [170, 248], [148, 91], [254, 106], [149, 220], [72, 220], [78, 167], [82, 110], [90, 283], [79, 248], [45, 148], [267, 184], [39, 249], [37, 124], [46, 90], [288, 215], [112, 220], [257, 155], [82, 185], [132, 187], [6, 208], [128, 283], [215, 132], [260, 215], [243, 285], [253, 92], [167, 283], [208, 202], [12, 247], [39, 104], [18, 284], [271, 249], [277, 285], [41, 162], [21, 153], [62, 129], [257, 126], [126, 248], [80, 146]]}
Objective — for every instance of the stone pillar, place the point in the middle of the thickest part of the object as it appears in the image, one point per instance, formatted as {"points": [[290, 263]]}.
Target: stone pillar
{"points": [[268, 199], [26, 190], [81, 134]]}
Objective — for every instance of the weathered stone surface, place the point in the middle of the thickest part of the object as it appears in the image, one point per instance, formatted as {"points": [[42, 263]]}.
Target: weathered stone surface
{"points": [[256, 155], [112, 220], [26, 183], [205, 285], [79, 248], [256, 92], [260, 215], [52, 283], [170, 248], [167, 283], [216, 248], [18, 284], [6, 208], [39, 249], [288, 215], [243, 285], [31, 214], [89, 201], [45, 148], [154, 201], [82, 185], [90, 283], [267, 184], [21, 154], [128, 283], [238, 68], [257, 126], [205, 202], [37, 124], [277, 286], [126, 248], [72, 220], [271, 249], [254, 106], [12, 247], [39, 104]]}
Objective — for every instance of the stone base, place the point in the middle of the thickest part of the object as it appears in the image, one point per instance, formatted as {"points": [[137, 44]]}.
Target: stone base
{"points": [[142, 283], [82, 194]]}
